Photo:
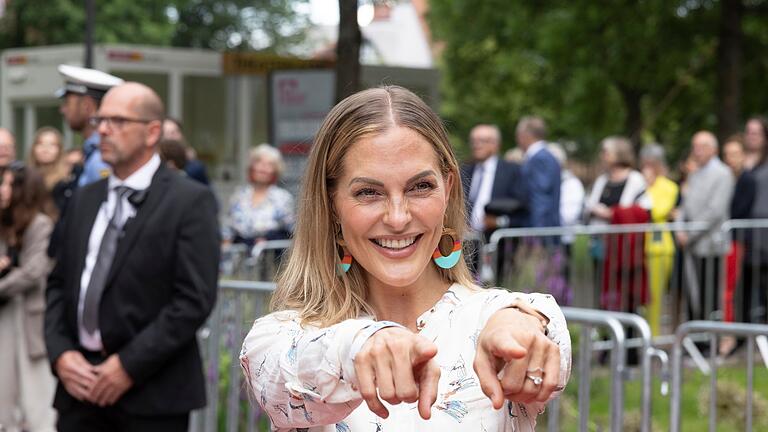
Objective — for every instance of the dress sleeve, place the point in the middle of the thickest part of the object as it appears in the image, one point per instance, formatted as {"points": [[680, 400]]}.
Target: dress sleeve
{"points": [[557, 330], [304, 376]]}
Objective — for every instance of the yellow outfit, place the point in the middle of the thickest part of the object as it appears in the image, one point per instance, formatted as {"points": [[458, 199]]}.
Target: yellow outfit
{"points": [[659, 247]]}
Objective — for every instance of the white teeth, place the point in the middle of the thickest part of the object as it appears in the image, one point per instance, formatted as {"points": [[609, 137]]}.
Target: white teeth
{"points": [[395, 244]]}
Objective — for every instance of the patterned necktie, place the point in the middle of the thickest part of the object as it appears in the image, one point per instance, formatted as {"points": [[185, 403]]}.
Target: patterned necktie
{"points": [[104, 262]]}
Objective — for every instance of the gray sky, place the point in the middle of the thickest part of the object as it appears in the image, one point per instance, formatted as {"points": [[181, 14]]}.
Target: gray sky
{"points": [[324, 11]]}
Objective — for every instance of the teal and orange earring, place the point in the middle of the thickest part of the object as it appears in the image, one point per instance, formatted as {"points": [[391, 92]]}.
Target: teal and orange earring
{"points": [[448, 250], [346, 259]]}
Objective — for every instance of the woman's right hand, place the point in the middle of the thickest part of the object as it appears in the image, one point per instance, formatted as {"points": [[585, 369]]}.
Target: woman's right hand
{"points": [[401, 365]]}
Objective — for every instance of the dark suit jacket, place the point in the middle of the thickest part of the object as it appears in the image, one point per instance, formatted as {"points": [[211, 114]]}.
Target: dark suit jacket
{"points": [[508, 184], [161, 287], [196, 171], [542, 176]]}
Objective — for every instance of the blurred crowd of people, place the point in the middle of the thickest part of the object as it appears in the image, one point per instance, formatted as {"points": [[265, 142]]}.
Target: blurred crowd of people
{"points": [[532, 186]]}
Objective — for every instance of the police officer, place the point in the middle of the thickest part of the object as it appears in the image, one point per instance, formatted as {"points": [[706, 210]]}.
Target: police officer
{"points": [[81, 97]]}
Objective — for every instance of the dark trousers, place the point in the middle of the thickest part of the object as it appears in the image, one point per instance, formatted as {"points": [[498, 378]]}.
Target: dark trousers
{"points": [[708, 274], [86, 417], [754, 299]]}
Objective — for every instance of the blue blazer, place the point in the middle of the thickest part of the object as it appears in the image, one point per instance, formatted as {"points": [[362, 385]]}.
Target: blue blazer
{"points": [[542, 178]]}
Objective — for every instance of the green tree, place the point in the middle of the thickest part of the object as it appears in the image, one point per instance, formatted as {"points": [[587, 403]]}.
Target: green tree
{"points": [[645, 69], [50, 22], [271, 25], [274, 25]]}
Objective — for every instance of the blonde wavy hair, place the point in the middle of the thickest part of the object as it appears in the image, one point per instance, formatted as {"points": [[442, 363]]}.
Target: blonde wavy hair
{"points": [[308, 281]]}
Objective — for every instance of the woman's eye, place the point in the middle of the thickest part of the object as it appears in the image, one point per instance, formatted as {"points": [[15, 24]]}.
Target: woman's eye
{"points": [[366, 193], [423, 187]]}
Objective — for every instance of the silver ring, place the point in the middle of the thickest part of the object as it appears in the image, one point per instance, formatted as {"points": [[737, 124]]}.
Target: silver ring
{"points": [[537, 380], [538, 369]]}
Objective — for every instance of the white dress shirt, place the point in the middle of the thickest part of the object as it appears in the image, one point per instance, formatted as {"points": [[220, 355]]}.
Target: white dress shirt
{"points": [[139, 180], [484, 194], [571, 202]]}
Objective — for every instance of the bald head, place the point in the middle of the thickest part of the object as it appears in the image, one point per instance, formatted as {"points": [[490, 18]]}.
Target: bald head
{"points": [[144, 101], [703, 147], [133, 115], [7, 147]]}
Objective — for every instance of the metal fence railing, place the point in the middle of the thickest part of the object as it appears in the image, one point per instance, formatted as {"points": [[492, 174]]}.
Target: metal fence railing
{"points": [[618, 345], [588, 321], [753, 333], [642, 268], [259, 263], [228, 408]]}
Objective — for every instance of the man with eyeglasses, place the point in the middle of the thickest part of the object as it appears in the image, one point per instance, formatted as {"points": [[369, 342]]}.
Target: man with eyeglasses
{"points": [[135, 278], [81, 95]]}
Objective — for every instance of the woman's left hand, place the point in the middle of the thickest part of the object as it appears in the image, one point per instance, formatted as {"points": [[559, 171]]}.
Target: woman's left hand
{"points": [[515, 360]]}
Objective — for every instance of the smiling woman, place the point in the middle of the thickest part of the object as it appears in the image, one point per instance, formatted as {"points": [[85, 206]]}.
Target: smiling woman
{"points": [[374, 304]]}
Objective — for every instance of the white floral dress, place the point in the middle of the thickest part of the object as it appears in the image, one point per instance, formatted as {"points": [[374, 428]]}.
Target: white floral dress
{"points": [[304, 377], [247, 220]]}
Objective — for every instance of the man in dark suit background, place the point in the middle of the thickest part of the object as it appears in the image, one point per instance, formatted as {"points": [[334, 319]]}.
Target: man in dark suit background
{"points": [[491, 180], [135, 277], [493, 187], [541, 171]]}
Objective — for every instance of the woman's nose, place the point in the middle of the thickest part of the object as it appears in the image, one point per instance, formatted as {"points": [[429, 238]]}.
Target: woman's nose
{"points": [[397, 214]]}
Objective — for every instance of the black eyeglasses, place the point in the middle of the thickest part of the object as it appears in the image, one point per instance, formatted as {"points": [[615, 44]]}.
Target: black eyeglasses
{"points": [[115, 122]]}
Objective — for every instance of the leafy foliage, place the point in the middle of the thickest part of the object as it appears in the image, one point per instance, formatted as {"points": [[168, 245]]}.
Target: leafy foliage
{"points": [[645, 69], [271, 25], [50, 22]]}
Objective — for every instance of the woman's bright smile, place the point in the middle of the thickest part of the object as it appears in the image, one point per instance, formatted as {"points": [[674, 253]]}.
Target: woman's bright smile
{"points": [[391, 201]]}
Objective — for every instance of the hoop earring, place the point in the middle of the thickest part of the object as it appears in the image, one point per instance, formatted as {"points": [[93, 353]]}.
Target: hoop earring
{"points": [[346, 259], [448, 250]]}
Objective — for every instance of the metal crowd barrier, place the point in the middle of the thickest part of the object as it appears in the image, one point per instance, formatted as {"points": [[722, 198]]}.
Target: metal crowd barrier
{"points": [[259, 262], [751, 331], [239, 304], [615, 323], [588, 320], [737, 266], [750, 243]]}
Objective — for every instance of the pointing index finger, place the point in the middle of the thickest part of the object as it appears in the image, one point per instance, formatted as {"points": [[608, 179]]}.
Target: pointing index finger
{"points": [[489, 381]]}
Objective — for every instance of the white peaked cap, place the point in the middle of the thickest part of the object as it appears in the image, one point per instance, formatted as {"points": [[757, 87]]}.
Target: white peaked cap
{"points": [[84, 81]]}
